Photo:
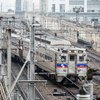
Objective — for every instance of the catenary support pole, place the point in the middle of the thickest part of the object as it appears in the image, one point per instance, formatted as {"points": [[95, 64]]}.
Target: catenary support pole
{"points": [[9, 58], [31, 74]]}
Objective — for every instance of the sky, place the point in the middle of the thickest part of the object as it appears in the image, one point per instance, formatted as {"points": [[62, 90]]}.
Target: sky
{"points": [[10, 4], [7, 4]]}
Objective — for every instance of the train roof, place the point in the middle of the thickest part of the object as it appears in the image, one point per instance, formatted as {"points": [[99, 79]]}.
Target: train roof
{"points": [[50, 40], [76, 48], [15, 35], [53, 41]]}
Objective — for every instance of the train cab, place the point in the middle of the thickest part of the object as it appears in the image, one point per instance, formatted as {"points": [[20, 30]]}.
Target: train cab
{"points": [[61, 65], [82, 63], [77, 64]]}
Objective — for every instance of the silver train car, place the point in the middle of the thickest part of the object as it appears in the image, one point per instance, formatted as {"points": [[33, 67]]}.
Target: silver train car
{"points": [[59, 58]]}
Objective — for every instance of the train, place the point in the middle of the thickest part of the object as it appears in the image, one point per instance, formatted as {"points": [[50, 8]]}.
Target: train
{"points": [[56, 56]]}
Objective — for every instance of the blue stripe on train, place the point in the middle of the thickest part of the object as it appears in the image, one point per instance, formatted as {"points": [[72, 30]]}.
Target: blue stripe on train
{"points": [[79, 65], [61, 65]]}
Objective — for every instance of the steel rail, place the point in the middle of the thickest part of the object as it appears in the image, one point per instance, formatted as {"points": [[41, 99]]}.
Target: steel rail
{"points": [[23, 94]]}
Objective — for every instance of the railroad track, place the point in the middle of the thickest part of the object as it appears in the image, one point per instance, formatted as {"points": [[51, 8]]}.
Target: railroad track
{"points": [[20, 86], [48, 88], [45, 88], [69, 91], [62, 91], [22, 92], [91, 53], [95, 58], [73, 91], [3, 95]]}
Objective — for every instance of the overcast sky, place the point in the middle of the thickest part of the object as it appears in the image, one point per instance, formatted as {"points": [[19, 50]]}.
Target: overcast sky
{"points": [[7, 4], [10, 4]]}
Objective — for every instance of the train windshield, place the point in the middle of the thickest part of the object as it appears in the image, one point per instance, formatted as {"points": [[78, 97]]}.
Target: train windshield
{"points": [[81, 58], [63, 58], [72, 57]]}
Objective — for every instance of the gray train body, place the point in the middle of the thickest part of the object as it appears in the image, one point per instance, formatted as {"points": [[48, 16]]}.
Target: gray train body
{"points": [[57, 57]]}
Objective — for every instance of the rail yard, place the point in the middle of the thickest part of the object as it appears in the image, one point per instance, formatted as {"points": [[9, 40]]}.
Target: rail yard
{"points": [[48, 56]]}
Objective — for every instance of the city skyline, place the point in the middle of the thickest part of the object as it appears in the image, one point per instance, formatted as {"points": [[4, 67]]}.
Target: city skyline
{"points": [[10, 4]]}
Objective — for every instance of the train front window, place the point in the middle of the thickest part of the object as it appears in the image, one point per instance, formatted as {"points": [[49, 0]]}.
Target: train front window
{"points": [[63, 58], [72, 57], [81, 58]]}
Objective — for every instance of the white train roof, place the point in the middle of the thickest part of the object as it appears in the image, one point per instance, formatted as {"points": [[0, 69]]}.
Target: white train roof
{"points": [[50, 42], [53, 41]]}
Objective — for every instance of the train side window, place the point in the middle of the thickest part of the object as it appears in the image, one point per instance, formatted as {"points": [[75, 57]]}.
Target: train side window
{"points": [[63, 58], [81, 58], [37, 52], [72, 57], [80, 51], [46, 57], [64, 51]]}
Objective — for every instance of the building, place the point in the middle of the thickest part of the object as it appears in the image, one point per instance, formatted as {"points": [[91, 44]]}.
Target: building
{"points": [[93, 6], [85, 5], [54, 6], [64, 6], [85, 11], [27, 6], [75, 4], [18, 6], [28, 9]]}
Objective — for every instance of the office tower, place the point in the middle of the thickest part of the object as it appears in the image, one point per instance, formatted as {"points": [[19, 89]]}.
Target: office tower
{"points": [[18, 7]]}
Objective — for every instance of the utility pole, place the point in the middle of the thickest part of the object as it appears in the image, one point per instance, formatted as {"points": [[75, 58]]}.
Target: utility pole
{"points": [[77, 11], [1, 7], [9, 58], [31, 74], [1, 37]]}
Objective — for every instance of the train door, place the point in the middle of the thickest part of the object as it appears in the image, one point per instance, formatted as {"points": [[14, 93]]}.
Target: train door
{"points": [[72, 63], [61, 65]]}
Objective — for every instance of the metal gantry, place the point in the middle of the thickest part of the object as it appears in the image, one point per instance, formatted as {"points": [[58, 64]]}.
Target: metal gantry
{"points": [[8, 25]]}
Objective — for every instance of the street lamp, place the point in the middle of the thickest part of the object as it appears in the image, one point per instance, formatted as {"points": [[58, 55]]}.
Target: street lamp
{"points": [[77, 10]]}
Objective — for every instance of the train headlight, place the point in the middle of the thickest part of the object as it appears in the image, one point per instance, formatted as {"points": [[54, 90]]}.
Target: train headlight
{"points": [[69, 51], [75, 51]]}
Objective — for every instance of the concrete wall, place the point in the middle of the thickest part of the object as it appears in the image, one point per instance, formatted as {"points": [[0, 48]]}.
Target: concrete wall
{"points": [[57, 5]]}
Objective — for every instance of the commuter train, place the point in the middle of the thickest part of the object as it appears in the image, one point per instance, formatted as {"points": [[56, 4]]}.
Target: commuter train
{"points": [[57, 57]]}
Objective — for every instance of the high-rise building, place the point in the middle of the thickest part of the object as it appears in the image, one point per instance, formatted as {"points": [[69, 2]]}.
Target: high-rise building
{"points": [[85, 5], [28, 9], [73, 4], [64, 6], [18, 6], [93, 6], [54, 6], [43, 6], [27, 5]]}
